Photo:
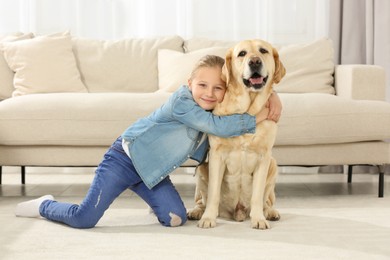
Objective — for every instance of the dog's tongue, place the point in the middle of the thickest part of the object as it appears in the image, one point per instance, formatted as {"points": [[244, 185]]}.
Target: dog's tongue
{"points": [[255, 81]]}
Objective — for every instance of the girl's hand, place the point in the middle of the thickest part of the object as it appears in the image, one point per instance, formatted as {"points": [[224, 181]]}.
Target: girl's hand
{"points": [[275, 107], [272, 109]]}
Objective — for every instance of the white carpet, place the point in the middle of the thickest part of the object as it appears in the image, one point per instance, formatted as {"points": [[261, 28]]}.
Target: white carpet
{"points": [[335, 227]]}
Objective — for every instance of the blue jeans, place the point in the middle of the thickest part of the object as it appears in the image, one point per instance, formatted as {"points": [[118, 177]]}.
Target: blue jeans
{"points": [[114, 175]]}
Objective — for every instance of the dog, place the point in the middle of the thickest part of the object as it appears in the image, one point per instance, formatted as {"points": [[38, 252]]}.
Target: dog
{"points": [[238, 180]]}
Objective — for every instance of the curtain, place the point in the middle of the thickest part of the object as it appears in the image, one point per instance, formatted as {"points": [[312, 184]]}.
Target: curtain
{"points": [[278, 21], [361, 35]]}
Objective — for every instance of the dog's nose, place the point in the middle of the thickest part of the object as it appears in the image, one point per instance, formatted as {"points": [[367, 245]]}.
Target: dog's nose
{"points": [[255, 63]]}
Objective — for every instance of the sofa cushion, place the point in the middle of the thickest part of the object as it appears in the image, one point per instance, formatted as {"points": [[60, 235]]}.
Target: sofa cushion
{"points": [[314, 118], [309, 67], [127, 65], [98, 118], [174, 68], [44, 64], [79, 119], [6, 74]]}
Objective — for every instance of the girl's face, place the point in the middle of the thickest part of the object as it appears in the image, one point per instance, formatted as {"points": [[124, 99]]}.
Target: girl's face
{"points": [[207, 87]]}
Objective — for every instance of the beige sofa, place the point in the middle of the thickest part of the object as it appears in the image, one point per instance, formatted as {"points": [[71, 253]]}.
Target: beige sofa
{"points": [[66, 99]]}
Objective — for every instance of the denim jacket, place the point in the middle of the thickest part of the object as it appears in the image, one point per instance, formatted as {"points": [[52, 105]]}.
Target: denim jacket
{"points": [[162, 141]]}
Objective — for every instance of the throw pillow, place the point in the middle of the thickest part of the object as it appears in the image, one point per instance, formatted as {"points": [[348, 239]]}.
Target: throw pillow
{"points": [[309, 68], [124, 65], [174, 68], [45, 64], [6, 74]]}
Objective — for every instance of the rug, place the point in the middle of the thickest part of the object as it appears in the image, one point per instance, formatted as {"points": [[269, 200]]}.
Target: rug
{"points": [[345, 227]]}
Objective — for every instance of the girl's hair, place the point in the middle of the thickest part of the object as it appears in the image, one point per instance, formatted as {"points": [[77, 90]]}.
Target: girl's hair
{"points": [[208, 61]]}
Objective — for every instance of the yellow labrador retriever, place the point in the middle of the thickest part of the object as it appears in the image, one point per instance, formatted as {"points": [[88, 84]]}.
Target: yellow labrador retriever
{"points": [[242, 171]]}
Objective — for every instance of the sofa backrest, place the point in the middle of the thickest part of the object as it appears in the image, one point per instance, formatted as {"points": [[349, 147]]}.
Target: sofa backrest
{"points": [[146, 65], [126, 65]]}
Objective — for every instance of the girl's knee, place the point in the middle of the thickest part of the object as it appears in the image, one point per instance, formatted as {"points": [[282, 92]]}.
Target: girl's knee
{"points": [[84, 221], [177, 220], [174, 219]]}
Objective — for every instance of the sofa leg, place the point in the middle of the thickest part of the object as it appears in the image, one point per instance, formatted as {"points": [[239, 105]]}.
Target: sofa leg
{"points": [[381, 184], [1, 173], [23, 174], [350, 173]]}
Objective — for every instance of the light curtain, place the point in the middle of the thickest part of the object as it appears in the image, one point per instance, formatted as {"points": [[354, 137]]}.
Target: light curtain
{"points": [[278, 21], [361, 34]]}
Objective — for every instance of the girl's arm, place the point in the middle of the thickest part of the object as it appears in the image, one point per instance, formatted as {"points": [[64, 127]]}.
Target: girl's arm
{"points": [[275, 107], [185, 110], [188, 112]]}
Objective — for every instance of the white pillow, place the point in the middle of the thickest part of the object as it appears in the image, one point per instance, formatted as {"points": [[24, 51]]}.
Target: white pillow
{"points": [[309, 68], [174, 68], [44, 64], [124, 65], [6, 74]]}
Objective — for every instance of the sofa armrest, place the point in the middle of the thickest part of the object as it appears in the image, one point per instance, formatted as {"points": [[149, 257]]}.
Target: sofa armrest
{"points": [[360, 82]]}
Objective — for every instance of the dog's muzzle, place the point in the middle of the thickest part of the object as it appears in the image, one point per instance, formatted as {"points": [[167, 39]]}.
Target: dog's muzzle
{"points": [[256, 80]]}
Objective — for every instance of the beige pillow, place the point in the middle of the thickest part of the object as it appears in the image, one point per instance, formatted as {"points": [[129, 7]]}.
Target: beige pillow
{"points": [[6, 74], [125, 65], [309, 68], [174, 68], [45, 64]]}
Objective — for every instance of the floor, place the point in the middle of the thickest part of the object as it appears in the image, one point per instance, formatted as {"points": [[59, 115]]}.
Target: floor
{"points": [[321, 212]]}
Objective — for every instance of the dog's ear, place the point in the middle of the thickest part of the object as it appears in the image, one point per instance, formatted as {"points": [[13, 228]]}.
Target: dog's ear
{"points": [[227, 67], [280, 71]]}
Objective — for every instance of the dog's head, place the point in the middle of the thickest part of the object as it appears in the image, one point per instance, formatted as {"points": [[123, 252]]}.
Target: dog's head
{"points": [[253, 63]]}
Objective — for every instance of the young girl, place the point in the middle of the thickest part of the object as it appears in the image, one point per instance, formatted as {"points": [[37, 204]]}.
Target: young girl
{"points": [[153, 147]]}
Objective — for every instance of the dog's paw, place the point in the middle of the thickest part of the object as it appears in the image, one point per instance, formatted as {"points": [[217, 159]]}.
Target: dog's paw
{"points": [[260, 224], [207, 223], [195, 214], [271, 214]]}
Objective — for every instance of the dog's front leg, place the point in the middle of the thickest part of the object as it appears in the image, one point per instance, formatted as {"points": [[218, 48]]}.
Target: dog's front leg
{"points": [[258, 219], [270, 212], [202, 179], [216, 171]]}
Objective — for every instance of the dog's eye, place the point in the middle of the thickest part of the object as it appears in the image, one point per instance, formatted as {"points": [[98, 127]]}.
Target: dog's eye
{"points": [[242, 54], [262, 50]]}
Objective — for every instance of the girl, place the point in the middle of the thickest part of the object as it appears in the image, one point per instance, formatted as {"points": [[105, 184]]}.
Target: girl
{"points": [[142, 158]]}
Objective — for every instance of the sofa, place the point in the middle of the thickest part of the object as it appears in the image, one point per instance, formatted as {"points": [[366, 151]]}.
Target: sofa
{"points": [[65, 99]]}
